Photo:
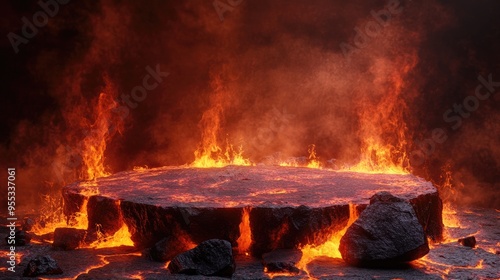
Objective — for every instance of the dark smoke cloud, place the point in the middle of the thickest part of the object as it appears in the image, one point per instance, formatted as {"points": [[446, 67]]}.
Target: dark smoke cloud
{"points": [[284, 82]]}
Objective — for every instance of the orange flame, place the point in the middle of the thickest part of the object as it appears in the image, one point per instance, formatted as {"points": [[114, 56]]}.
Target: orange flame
{"points": [[58, 220], [382, 128], [101, 130], [210, 153], [313, 160], [245, 239]]}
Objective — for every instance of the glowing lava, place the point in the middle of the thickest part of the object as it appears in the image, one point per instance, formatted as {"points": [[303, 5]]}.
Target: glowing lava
{"points": [[245, 239], [121, 238], [330, 248]]}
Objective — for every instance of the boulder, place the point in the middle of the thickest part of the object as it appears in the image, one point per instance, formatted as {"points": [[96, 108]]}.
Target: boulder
{"points": [[42, 265], [387, 233], [167, 248], [68, 238], [22, 238], [469, 241], [104, 215], [28, 224], [282, 260], [213, 257]]}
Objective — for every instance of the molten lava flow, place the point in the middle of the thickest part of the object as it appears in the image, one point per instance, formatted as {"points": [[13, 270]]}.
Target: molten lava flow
{"points": [[245, 239], [81, 219], [121, 238], [58, 219], [331, 247], [273, 275], [450, 219]]}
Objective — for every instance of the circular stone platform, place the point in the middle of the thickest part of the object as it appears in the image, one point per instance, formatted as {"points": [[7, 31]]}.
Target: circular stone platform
{"points": [[288, 206]]}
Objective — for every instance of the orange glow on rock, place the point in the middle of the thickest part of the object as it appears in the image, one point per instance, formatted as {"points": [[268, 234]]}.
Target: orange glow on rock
{"points": [[328, 249], [121, 238]]}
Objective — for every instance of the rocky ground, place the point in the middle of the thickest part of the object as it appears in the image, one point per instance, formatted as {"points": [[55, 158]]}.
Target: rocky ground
{"points": [[445, 261]]}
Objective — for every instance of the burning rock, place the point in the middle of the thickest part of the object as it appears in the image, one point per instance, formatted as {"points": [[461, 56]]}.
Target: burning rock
{"points": [[42, 265], [282, 260], [68, 238], [386, 233], [167, 248], [469, 241], [21, 238], [211, 258]]}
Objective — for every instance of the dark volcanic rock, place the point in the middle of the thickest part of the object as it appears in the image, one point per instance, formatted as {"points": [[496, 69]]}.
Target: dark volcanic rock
{"points": [[22, 238], [150, 223], [211, 258], [285, 227], [73, 205], [282, 260], [290, 206], [68, 238], [469, 241], [386, 233], [429, 209], [104, 214], [167, 248], [42, 265], [28, 224]]}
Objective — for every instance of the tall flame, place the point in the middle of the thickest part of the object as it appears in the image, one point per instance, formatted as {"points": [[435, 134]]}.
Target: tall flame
{"points": [[99, 124], [245, 239], [210, 153], [383, 130], [106, 124]]}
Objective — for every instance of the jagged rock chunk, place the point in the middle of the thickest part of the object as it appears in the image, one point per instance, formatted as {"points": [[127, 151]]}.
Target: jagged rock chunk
{"points": [[386, 233], [213, 257], [68, 238], [42, 265], [167, 248], [21, 238], [282, 260], [469, 241]]}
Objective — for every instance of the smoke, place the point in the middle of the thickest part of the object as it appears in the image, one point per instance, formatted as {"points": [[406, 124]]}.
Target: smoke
{"points": [[289, 74]]}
